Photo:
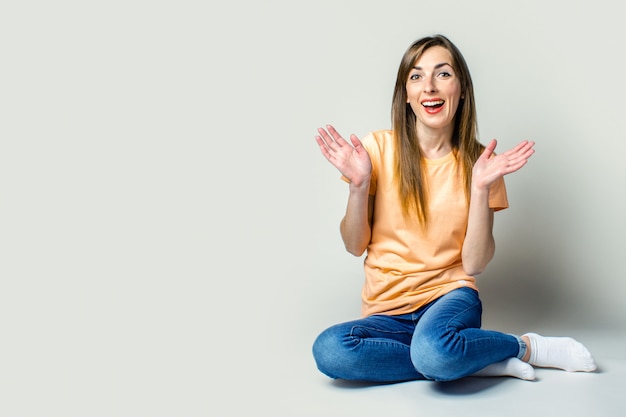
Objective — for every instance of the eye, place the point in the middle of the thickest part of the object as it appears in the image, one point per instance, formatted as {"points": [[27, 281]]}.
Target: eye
{"points": [[445, 74], [414, 77]]}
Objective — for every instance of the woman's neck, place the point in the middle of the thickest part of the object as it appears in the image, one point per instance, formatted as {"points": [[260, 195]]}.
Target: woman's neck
{"points": [[435, 145]]}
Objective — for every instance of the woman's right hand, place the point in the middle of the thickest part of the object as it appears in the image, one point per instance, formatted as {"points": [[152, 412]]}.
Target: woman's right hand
{"points": [[352, 161]]}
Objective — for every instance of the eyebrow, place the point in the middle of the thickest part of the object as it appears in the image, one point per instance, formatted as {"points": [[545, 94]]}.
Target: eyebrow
{"points": [[443, 64]]}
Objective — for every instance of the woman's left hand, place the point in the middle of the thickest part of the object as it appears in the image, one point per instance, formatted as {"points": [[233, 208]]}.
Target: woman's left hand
{"points": [[490, 166]]}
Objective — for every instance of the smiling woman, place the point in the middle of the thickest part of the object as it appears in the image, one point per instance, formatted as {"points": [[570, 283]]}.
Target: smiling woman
{"points": [[421, 203], [433, 91]]}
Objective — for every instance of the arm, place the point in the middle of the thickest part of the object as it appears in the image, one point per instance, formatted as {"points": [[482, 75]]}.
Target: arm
{"points": [[356, 225], [354, 163], [479, 245]]}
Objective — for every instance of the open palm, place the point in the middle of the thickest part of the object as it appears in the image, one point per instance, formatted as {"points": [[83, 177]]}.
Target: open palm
{"points": [[489, 166], [352, 160]]}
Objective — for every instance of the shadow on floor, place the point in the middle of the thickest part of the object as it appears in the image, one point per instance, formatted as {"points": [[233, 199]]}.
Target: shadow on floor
{"points": [[469, 385]]}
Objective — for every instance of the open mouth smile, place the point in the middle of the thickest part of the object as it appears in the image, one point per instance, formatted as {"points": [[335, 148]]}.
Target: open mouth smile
{"points": [[433, 106]]}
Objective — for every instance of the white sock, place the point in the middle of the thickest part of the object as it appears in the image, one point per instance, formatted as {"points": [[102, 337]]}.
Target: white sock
{"points": [[560, 352], [509, 367]]}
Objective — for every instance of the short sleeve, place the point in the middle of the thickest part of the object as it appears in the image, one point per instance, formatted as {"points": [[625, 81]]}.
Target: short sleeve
{"points": [[497, 196]]}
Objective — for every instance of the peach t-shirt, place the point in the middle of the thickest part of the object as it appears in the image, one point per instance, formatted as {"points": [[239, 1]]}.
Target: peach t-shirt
{"points": [[406, 267]]}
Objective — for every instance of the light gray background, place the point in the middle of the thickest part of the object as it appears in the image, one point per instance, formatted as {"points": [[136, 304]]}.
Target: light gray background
{"points": [[169, 230]]}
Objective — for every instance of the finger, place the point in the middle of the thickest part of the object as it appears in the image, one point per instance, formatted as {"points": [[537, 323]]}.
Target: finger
{"points": [[336, 136], [332, 138], [323, 147], [355, 141], [325, 136], [321, 142], [524, 147], [488, 151], [515, 167], [523, 153], [521, 147], [518, 161]]}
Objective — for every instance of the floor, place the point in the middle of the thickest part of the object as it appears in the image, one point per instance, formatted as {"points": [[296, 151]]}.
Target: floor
{"points": [[296, 388]]}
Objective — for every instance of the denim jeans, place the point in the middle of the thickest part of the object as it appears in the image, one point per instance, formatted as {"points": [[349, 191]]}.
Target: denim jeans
{"points": [[441, 341]]}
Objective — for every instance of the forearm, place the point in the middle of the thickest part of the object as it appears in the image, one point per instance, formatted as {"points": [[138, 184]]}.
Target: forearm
{"points": [[479, 245], [355, 226]]}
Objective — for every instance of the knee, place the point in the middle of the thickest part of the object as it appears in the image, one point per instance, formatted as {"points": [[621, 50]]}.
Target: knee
{"points": [[327, 353], [435, 360]]}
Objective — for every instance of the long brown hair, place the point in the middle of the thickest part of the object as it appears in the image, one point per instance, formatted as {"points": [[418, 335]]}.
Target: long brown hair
{"points": [[411, 182]]}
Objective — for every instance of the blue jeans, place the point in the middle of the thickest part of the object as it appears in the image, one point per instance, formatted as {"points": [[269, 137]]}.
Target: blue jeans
{"points": [[441, 341]]}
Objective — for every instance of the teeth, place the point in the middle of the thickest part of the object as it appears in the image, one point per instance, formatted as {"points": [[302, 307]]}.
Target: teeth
{"points": [[432, 103]]}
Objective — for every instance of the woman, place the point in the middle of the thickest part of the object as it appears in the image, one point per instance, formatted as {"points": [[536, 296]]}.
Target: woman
{"points": [[421, 203]]}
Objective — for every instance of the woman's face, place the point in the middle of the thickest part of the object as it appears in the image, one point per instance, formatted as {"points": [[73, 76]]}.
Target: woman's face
{"points": [[433, 89]]}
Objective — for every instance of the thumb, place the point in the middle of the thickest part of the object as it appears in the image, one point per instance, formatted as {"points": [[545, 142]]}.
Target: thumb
{"points": [[355, 140], [491, 146]]}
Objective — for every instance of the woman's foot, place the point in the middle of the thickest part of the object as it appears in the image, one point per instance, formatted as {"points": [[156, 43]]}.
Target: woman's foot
{"points": [[558, 352], [509, 367]]}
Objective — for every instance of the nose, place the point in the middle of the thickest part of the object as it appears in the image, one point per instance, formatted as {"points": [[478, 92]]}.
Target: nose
{"points": [[429, 85]]}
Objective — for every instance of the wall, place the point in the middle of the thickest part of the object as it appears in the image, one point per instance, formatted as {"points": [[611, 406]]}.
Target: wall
{"points": [[167, 221]]}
